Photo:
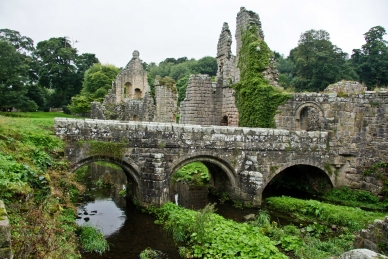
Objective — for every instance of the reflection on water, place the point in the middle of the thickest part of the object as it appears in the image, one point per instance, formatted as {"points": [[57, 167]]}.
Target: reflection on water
{"points": [[102, 213], [127, 230]]}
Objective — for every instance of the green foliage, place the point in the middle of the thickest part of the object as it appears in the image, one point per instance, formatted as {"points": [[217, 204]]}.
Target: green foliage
{"points": [[354, 198], [371, 61], [220, 238], [92, 240], [319, 63], [262, 220], [311, 210], [168, 82], [195, 173], [149, 253], [256, 101], [36, 187], [96, 83]]}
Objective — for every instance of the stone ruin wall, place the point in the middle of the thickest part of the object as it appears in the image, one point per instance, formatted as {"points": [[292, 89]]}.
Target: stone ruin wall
{"points": [[358, 126], [130, 98], [167, 103], [132, 82], [198, 106], [223, 100]]}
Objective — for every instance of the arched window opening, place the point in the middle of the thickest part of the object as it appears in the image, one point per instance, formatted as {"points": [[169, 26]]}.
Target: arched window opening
{"points": [[224, 121], [135, 118], [127, 90], [304, 119], [138, 93]]}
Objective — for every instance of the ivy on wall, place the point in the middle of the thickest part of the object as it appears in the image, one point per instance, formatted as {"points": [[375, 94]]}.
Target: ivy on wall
{"points": [[256, 100]]}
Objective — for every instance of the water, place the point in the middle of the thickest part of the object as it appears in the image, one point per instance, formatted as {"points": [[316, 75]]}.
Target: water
{"points": [[127, 229]]}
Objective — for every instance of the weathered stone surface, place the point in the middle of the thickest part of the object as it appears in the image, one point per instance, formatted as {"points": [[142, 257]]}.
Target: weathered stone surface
{"points": [[242, 160], [356, 122], [361, 254], [5, 234], [129, 99]]}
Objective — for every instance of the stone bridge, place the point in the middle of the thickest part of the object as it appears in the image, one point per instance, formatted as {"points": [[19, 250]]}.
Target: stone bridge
{"points": [[241, 161]]}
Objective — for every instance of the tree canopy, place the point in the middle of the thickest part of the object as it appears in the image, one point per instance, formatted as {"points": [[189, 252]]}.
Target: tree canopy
{"points": [[371, 61], [97, 81]]}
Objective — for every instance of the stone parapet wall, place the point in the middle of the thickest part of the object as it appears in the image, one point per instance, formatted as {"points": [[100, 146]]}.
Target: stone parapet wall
{"points": [[5, 234], [243, 160]]}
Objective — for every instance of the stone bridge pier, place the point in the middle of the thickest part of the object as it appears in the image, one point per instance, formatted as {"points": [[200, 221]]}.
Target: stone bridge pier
{"points": [[241, 161]]}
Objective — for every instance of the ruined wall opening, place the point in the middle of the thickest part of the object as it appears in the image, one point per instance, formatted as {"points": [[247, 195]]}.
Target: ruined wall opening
{"points": [[127, 90], [135, 118], [300, 181], [193, 184], [224, 121], [138, 93], [304, 119]]}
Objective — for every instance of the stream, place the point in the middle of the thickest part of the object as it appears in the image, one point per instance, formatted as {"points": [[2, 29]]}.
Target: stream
{"points": [[126, 228]]}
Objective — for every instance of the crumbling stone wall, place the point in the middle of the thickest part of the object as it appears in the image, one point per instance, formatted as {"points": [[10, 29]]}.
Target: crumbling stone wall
{"points": [[198, 106], [166, 98], [130, 98], [5, 234], [222, 100], [357, 122]]}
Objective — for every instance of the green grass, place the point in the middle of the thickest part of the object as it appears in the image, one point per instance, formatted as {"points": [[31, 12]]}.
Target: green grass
{"points": [[354, 198], [36, 188], [311, 210], [92, 240]]}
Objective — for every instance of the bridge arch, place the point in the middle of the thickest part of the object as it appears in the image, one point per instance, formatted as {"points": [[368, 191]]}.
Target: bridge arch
{"points": [[206, 159], [130, 169], [305, 164]]}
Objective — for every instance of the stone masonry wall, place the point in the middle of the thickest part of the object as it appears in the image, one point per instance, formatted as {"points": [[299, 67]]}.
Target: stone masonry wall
{"points": [[167, 100], [198, 106], [247, 158], [5, 234], [358, 128]]}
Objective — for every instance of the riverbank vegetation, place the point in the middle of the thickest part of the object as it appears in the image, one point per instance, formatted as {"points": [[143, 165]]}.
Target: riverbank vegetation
{"points": [[36, 187]]}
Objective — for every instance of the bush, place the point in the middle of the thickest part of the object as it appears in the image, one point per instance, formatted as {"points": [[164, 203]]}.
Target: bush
{"points": [[92, 240]]}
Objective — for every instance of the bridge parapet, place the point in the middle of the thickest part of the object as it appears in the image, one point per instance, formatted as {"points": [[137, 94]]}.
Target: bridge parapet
{"points": [[243, 160]]}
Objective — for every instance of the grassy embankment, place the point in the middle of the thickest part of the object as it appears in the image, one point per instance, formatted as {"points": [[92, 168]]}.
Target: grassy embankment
{"points": [[37, 188]]}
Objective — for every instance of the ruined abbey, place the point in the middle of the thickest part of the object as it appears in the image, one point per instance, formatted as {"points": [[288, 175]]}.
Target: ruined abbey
{"points": [[355, 119]]}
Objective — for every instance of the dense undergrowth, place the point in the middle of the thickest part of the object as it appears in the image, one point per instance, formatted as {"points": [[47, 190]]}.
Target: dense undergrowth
{"points": [[312, 210], [208, 235], [36, 188], [195, 173]]}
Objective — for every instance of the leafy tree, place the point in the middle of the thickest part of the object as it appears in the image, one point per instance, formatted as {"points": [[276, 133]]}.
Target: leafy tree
{"points": [[319, 63], [22, 44], [97, 81], [13, 79], [286, 69], [57, 69], [371, 61]]}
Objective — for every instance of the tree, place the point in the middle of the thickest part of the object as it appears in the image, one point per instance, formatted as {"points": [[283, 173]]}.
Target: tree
{"points": [[286, 69], [97, 81], [319, 63], [22, 44], [13, 79], [371, 61], [57, 69]]}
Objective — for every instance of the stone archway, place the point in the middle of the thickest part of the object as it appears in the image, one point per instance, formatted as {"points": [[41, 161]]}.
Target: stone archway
{"points": [[310, 117], [298, 179], [222, 176]]}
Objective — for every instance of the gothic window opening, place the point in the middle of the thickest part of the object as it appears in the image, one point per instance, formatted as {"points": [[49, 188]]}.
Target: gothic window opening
{"points": [[138, 93], [127, 89], [224, 121]]}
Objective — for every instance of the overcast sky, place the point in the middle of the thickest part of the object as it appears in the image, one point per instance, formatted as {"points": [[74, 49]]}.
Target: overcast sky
{"points": [[158, 29]]}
